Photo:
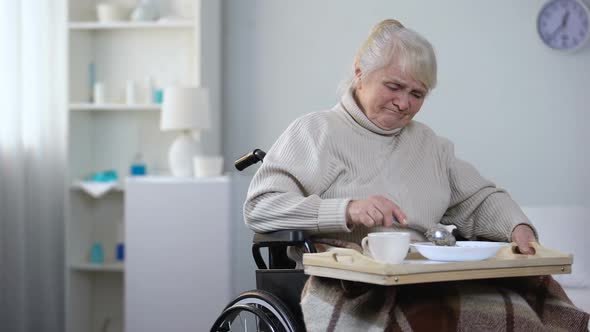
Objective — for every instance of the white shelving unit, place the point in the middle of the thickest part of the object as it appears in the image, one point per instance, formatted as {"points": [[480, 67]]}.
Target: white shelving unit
{"points": [[108, 136]]}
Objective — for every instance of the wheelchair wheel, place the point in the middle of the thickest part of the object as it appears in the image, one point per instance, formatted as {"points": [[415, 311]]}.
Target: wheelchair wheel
{"points": [[256, 311]]}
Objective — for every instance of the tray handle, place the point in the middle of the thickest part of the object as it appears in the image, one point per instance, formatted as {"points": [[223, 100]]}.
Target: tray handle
{"points": [[540, 251], [349, 256]]}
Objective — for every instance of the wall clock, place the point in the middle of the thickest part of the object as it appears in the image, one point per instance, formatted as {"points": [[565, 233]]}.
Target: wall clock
{"points": [[563, 25]]}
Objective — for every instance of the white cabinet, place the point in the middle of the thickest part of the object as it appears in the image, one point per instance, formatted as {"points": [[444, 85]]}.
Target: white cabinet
{"points": [[177, 273], [183, 49]]}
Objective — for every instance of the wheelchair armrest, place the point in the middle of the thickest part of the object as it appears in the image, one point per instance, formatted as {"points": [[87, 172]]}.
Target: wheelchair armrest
{"points": [[287, 237], [277, 242]]}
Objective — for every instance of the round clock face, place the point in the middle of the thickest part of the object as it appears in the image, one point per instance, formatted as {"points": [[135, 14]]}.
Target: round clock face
{"points": [[563, 24]]}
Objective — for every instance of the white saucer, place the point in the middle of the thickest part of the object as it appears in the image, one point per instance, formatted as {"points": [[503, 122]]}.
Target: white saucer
{"points": [[461, 252]]}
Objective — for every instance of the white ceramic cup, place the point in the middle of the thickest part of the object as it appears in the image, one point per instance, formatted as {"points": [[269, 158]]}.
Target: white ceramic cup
{"points": [[109, 12], [387, 247], [98, 93], [206, 166], [130, 97]]}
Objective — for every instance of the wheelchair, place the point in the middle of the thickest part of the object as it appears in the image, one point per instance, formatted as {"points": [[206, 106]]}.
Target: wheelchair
{"points": [[274, 305]]}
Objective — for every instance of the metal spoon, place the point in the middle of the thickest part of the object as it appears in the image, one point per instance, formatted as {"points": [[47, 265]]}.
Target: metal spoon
{"points": [[440, 236]]}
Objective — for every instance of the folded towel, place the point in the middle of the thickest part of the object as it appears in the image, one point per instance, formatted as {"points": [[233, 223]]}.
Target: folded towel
{"points": [[97, 189]]}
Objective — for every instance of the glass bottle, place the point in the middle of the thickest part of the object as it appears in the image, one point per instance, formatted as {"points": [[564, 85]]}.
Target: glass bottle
{"points": [[138, 167]]}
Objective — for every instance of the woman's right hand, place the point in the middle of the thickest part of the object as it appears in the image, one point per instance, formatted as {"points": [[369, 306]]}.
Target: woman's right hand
{"points": [[373, 211]]}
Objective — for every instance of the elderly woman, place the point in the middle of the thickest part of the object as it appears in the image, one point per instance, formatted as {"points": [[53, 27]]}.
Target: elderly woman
{"points": [[366, 166]]}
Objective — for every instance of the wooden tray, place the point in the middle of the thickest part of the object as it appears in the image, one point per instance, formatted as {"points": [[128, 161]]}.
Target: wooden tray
{"points": [[349, 264]]}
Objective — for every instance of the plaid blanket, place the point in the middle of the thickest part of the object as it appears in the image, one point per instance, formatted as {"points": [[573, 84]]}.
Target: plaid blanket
{"points": [[503, 304]]}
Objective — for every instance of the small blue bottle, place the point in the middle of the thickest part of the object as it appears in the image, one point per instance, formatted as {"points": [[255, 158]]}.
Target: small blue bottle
{"points": [[158, 96], [120, 254], [120, 247], [96, 253], [138, 167]]}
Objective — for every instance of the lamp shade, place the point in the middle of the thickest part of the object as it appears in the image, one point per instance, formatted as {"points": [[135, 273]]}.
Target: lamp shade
{"points": [[185, 108]]}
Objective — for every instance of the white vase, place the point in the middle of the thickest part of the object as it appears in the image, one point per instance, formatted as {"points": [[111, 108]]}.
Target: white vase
{"points": [[146, 11]]}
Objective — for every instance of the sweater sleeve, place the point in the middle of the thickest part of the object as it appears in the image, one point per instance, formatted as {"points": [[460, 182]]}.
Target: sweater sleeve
{"points": [[285, 191], [477, 207]]}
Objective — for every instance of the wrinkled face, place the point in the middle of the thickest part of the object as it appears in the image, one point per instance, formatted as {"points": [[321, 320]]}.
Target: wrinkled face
{"points": [[389, 97]]}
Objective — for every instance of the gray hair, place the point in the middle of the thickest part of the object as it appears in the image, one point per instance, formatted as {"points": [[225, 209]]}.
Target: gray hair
{"points": [[391, 43]]}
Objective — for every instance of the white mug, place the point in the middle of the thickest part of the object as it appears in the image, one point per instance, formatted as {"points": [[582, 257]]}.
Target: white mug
{"points": [[387, 247]]}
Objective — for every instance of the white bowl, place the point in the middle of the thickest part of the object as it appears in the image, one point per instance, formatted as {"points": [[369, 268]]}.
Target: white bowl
{"points": [[462, 251]]}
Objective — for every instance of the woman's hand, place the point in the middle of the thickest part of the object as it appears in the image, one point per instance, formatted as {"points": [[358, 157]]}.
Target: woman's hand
{"points": [[374, 211], [522, 235]]}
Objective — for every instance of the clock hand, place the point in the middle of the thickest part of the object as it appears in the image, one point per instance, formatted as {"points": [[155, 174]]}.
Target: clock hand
{"points": [[554, 33], [564, 20]]}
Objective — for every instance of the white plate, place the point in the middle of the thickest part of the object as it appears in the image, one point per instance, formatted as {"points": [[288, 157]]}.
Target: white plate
{"points": [[461, 252]]}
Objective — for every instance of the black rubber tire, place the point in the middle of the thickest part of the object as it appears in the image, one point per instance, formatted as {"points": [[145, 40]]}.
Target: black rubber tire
{"points": [[282, 312]]}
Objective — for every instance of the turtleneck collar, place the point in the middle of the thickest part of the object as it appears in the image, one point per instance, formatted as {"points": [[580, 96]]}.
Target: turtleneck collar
{"points": [[351, 107]]}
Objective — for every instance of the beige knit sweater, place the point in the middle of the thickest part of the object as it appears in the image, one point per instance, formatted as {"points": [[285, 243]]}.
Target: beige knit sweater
{"points": [[325, 159]]}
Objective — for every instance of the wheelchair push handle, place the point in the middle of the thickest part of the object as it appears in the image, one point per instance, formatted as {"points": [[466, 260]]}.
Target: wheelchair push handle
{"points": [[249, 159]]}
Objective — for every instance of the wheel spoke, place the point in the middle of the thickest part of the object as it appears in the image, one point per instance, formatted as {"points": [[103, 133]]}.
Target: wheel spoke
{"points": [[257, 312], [240, 318]]}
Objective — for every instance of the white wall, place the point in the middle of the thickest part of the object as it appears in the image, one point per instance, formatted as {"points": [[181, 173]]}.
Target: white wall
{"points": [[513, 108]]}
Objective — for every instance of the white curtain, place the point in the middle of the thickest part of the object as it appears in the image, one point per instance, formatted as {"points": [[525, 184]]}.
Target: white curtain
{"points": [[33, 131]]}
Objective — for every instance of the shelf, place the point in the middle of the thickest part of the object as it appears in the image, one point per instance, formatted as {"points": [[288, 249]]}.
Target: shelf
{"points": [[114, 107], [124, 25], [94, 267]]}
